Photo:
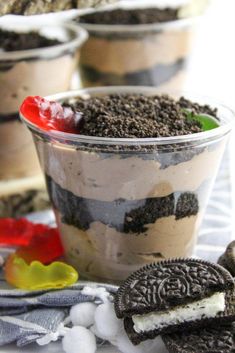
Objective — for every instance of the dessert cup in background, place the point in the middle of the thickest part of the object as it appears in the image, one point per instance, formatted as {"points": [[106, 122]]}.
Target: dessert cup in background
{"points": [[122, 203], [20, 7], [154, 54], [41, 71]]}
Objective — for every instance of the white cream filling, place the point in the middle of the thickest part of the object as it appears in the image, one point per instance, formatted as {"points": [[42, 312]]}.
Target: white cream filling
{"points": [[207, 308]]}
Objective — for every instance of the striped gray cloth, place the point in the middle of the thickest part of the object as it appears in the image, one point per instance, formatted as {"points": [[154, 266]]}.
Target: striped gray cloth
{"points": [[28, 316]]}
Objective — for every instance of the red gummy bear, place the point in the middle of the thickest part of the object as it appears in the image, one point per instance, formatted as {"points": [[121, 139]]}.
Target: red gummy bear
{"points": [[45, 246], [15, 232], [37, 242], [50, 115]]}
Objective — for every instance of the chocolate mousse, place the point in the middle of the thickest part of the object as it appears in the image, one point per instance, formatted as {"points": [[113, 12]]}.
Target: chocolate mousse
{"points": [[144, 46], [120, 205], [27, 67]]}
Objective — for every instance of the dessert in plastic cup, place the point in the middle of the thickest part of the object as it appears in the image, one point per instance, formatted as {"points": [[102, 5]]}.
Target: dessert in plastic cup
{"points": [[136, 47], [40, 62], [20, 7], [122, 202]]}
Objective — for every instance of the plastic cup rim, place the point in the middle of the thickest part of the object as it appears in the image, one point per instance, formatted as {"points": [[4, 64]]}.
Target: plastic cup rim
{"points": [[200, 137], [151, 27], [74, 43]]}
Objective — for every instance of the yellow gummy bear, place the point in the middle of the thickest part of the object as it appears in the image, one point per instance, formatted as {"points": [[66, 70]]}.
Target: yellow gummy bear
{"points": [[36, 276]]}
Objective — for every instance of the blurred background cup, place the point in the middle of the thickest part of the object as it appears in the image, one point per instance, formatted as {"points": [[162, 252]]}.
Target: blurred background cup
{"points": [[124, 203], [153, 54], [40, 71]]}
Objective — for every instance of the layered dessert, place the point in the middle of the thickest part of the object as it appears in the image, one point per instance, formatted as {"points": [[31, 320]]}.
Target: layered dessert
{"points": [[30, 63], [128, 177], [25, 7], [144, 46]]}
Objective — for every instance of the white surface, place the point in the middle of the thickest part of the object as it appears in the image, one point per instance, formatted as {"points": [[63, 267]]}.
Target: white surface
{"points": [[52, 348], [208, 307], [57, 348], [212, 69]]}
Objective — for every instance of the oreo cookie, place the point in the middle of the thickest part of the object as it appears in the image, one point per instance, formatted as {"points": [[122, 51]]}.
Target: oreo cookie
{"points": [[222, 261], [217, 339], [227, 260], [174, 295]]}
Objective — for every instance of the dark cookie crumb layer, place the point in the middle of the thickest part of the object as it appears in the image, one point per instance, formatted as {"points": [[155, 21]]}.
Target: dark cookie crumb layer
{"points": [[152, 76], [13, 41], [137, 116], [123, 215], [131, 16], [6, 118]]}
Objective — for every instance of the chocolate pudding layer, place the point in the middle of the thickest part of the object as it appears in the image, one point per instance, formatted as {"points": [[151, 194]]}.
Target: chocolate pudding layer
{"points": [[30, 64], [148, 46], [121, 205]]}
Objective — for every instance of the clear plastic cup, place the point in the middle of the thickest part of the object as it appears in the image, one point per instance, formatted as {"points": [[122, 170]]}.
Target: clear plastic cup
{"points": [[150, 55], [123, 203], [42, 72]]}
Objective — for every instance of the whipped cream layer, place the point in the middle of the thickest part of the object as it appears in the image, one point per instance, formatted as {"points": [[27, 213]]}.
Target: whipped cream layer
{"points": [[205, 308]]}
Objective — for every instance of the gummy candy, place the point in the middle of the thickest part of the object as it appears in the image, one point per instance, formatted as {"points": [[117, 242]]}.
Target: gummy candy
{"points": [[40, 245], [36, 276], [37, 241], [206, 121], [49, 115], [15, 232], [44, 247]]}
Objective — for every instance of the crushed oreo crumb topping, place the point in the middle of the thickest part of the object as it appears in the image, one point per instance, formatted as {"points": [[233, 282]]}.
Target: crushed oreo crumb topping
{"points": [[131, 16], [12, 41], [138, 116], [197, 108]]}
